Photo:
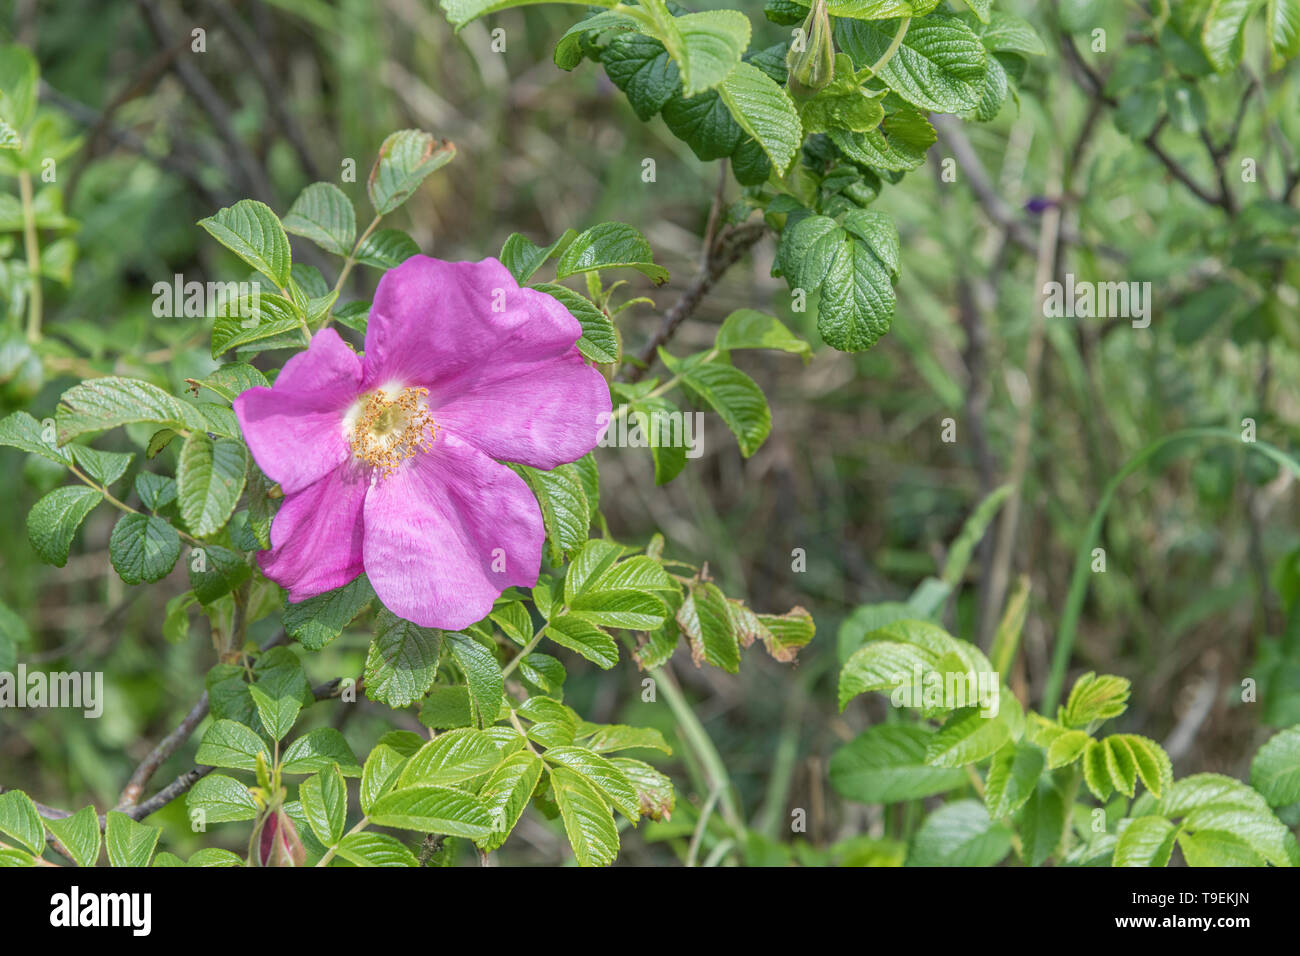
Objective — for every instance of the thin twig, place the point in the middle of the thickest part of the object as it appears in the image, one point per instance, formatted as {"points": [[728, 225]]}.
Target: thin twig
{"points": [[730, 247]]}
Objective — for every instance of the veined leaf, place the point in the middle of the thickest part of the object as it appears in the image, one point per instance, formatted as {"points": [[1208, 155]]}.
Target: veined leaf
{"points": [[253, 232], [79, 835], [405, 159], [765, 111], [129, 843], [324, 214], [886, 764]]}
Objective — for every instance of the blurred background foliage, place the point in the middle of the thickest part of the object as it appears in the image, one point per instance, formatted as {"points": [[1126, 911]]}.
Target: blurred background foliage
{"points": [[1202, 549]]}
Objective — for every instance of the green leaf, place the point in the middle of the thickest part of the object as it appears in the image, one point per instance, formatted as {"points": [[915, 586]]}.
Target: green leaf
{"points": [[434, 810], [486, 685], [514, 620], [630, 594], [1011, 780], [599, 341], [129, 843], [221, 799], [233, 379], [566, 512], [602, 774], [1216, 848], [654, 790], [640, 66], [855, 276], [403, 661], [451, 758], [663, 426], [267, 319], [53, 521], [278, 713], [228, 743], [938, 66], [1223, 34], [522, 258], [79, 835], [209, 480], [315, 622], [585, 638], [967, 737], [143, 548], [898, 144], [104, 403], [383, 767], [446, 708], [219, 573], [609, 245], [317, 749], [375, 849], [729, 392], [20, 820], [1007, 33], [765, 111], [325, 804], [704, 124], [405, 159], [324, 214], [705, 619], [607, 738], [843, 104], [155, 491], [19, 430], [1041, 823], [959, 834], [212, 856], [1284, 29], [711, 44], [104, 466], [1066, 748], [15, 858], [385, 249], [252, 231], [886, 764], [1095, 698], [588, 821], [19, 76], [1275, 771], [507, 792], [1145, 841]]}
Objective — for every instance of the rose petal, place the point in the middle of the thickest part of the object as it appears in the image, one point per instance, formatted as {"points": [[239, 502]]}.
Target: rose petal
{"points": [[447, 533], [511, 381], [316, 536], [295, 428]]}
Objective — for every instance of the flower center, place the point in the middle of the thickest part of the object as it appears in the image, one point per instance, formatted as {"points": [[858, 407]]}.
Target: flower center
{"points": [[390, 426]]}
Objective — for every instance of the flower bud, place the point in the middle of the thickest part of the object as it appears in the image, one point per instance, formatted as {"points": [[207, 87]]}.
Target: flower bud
{"points": [[811, 68]]}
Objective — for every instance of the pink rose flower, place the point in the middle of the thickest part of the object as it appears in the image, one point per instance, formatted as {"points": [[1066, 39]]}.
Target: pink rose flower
{"points": [[390, 461]]}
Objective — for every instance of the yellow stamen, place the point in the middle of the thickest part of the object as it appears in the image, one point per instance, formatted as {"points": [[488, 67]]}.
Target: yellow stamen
{"points": [[388, 431]]}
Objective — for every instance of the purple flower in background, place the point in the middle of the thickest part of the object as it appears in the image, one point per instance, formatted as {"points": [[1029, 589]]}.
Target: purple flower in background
{"points": [[390, 461]]}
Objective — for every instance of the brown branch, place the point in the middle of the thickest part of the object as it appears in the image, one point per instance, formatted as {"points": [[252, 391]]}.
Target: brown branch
{"points": [[728, 249], [166, 747]]}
